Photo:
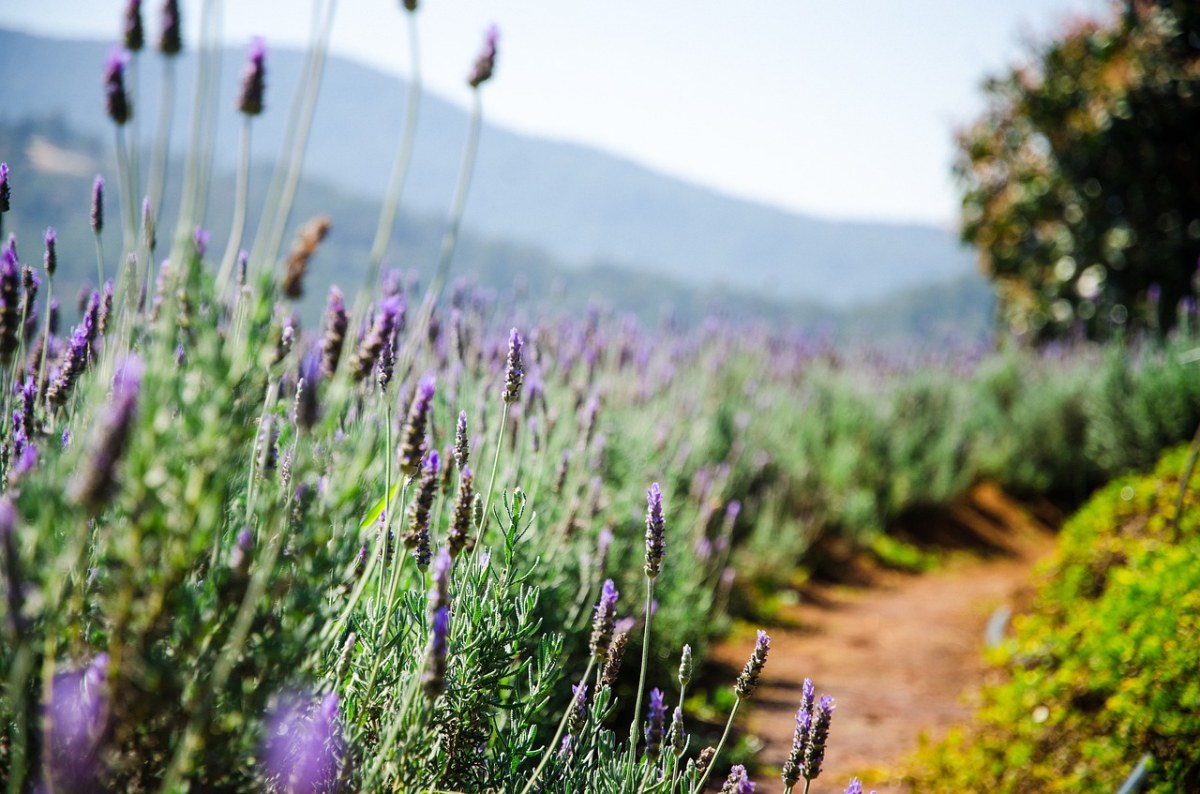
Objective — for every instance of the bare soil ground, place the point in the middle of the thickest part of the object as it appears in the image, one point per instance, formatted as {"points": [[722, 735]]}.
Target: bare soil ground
{"points": [[901, 653]]}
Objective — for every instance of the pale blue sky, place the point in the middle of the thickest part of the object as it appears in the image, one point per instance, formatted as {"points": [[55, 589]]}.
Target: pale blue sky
{"points": [[837, 109]]}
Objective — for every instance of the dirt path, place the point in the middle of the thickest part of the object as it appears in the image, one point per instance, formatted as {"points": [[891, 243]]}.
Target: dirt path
{"points": [[899, 654]]}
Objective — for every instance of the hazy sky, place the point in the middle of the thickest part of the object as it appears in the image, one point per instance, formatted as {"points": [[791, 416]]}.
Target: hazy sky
{"points": [[838, 109]]}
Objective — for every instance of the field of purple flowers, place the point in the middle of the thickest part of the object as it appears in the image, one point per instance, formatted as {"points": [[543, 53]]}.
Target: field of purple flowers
{"points": [[432, 542]]}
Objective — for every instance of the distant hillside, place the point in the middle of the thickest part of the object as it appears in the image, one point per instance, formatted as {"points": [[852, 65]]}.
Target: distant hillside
{"points": [[579, 205]]}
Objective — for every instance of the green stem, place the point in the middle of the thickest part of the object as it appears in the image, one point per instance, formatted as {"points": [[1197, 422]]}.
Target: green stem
{"points": [[99, 263], [239, 212], [487, 499], [128, 218], [387, 214], [720, 745], [637, 704], [158, 165], [562, 724]]}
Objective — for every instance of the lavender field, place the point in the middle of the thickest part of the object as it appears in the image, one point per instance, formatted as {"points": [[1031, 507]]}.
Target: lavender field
{"points": [[433, 536]]}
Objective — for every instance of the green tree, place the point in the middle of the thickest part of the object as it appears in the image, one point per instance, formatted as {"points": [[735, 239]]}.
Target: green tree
{"points": [[1081, 181]]}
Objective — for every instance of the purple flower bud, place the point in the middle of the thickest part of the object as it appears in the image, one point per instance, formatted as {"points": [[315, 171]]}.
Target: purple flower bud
{"points": [[51, 259], [615, 655], [685, 667], [334, 335], [439, 592], [383, 331], [254, 79], [676, 735], [748, 680], [417, 536], [135, 33], [303, 747], [514, 373], [117, 100], [74, 716], [655, 722], [462, 446], [5, 190], [170, 40], [308, 404], [738, 781], [98, 205], [578, 709], [94, 484], [603, 621], [485, 64], [855, 787], [202, 238], [564, 749], [793, 768], [814, 751], [433, 678], [655, 531], [462, 520], [73, 365], [65, 441], [412, 442]]}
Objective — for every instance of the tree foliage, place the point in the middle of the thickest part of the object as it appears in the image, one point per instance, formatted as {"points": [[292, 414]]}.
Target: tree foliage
{"points": [[1081, 181]]}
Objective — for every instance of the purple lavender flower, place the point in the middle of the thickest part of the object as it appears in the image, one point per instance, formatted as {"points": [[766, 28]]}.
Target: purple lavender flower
{"points": [[120, 108], [417, 536], [202, 238], [793, 768], [462, 520], [855, 787], [170, 40], [382, 332], [74, 717], [616, 653], [565, 752], [385, 366], [78, 352], [303, 748], [412, 441], [738, 781], [51, 259], [655, 722], [603, 621], [335, 332], [439, 591], [94, 484], [65, 441], [135, 33], [655, 531], [308, 404], [818, 735], [433, 678], [5, 190], [514, 372], [748, 680], [578, 708], [254, 79], [462, 446], [98, 205], [485, 64]]}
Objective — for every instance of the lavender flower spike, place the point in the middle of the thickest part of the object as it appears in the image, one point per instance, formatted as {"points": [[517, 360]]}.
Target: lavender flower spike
{"points": [[855, 787], [793, 768], [738, 781], [814, 753], [748, 680], [433, 678], [135, 33], [74, 715], [304, 747], [51, 259], [655, 721], [98, 205], [5, 190], [412, 442], [462, 445], [254, 79], [578, 714], [94, 484], [461, 522], [170, 41], [604, 621], [655, 531], [485, 64], [334, 336], [514, 373], [117, 100]]}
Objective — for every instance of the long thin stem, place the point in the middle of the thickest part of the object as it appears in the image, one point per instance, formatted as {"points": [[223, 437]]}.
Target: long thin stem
{"points": [[487, 499], [158, 163], [128, 217], [99, 261], [637, 704], [387, 214], [720, 745], [239, 211], [562, 724]]}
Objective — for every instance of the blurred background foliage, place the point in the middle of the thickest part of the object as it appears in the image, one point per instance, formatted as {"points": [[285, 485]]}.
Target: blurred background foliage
{"points": [[1081, 185]]}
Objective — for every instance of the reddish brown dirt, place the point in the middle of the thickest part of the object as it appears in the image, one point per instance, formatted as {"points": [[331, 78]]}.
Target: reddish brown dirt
{"points": [[902, 652]]}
